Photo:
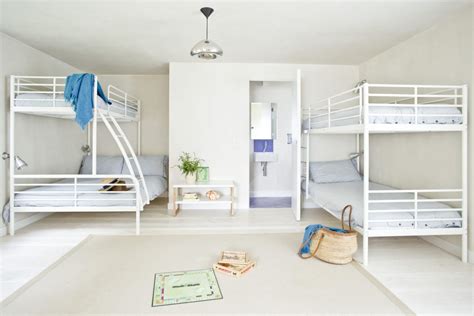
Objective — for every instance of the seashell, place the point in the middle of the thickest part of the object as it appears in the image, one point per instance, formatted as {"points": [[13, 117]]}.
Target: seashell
{"points": [[213, 195]]}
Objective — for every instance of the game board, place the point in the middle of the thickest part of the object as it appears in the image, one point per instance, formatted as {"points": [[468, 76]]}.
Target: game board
{"points": [[185, 287]]}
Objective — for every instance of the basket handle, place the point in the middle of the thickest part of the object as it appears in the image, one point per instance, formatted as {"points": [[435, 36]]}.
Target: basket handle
{"points": [[348, 206], [315, 249]]}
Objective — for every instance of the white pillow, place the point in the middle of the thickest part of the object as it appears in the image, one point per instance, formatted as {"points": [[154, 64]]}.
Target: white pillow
{"points": [[105, 165], [152, 165], [333, 171]]}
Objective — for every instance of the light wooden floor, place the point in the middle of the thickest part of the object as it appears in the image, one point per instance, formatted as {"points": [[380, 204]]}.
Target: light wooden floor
{"points": [[426, 278]]}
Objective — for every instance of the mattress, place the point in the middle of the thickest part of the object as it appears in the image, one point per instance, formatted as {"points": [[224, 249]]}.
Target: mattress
{"points": [[156, 185], [390, 115], [43, 100], [334, 196]]}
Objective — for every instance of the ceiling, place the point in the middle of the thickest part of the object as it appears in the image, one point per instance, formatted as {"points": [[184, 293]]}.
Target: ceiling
{"points": [[142, 37]]}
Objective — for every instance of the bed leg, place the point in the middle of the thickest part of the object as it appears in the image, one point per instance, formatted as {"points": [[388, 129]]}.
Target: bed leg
{"points": [[137, 221], [464, 255], [11, 228], [365, 250]]}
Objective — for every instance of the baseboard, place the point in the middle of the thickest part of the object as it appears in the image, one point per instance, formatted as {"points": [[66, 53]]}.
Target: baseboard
{"points": [[270, 193], [24, 222], [448, 247]]}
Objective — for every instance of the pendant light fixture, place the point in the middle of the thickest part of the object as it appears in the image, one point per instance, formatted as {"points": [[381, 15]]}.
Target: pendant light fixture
{"points": [[206, 49]]}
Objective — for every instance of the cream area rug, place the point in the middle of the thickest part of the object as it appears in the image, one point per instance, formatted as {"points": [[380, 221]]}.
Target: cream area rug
{"points": [[115, 275]]}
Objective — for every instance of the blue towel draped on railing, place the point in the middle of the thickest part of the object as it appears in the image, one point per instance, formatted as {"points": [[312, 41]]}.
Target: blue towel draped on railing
{"points": [[79, 91], [310, 230]]}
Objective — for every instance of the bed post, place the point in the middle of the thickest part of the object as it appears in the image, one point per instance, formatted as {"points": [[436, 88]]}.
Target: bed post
{"points": [[137, 215], [358, 151], [308, 144], [11, 228], [365, 236], [464, 167], [361, 103], [89, 134], [139, 132], [137, 206], [94, 130]]}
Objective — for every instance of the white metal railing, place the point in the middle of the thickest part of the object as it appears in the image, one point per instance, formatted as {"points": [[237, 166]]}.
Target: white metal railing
{"points": [[76, 192], [129, 105], [342, 106], [390, 104], [49, 89], [415, 202], [44, 95]]}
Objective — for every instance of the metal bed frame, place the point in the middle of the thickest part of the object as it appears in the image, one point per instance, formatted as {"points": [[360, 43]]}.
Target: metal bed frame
{"points": [[381, 96], [53, 87]]}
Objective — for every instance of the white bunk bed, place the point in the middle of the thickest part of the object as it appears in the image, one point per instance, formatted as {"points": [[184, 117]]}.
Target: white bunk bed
{"points": [[44, 96], [382, 211]]}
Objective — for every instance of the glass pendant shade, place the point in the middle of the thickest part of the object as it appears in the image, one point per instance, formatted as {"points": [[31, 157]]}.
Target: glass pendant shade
{"points": [[206, 49]]}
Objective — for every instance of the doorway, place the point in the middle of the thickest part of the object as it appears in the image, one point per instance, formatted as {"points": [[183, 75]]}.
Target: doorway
{"points": [[271, 166]]}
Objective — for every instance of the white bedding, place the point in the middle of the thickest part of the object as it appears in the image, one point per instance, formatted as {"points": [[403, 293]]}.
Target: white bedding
{"points": [[39, 100], [379, 115], [334, 196], [156, 185]]}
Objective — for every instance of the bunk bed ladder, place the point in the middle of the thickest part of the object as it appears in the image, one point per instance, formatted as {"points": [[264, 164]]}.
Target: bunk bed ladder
{"points": [[119, 137]]}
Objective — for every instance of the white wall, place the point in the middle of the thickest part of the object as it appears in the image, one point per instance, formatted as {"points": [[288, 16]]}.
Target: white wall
{"points": [[152, 90], [47, 145], [209, 111], [441, 55], [278, 181]]}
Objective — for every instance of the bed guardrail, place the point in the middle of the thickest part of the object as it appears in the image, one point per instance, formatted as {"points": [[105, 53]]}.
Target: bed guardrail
{"points": [[131, 105], [74, 191], [50, 87], [343, 106], [447, 202], [44, 95], [413, 104]]}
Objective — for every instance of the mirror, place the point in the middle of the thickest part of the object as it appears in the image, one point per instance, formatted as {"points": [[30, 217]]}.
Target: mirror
{"points": [[262, 120]]}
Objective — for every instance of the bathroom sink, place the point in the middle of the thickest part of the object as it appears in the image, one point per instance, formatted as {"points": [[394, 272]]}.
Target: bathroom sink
{"points": [[264, 157]]}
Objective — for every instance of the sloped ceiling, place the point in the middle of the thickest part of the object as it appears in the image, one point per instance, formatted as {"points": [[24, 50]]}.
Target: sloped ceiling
{"points": [[142, 37]]}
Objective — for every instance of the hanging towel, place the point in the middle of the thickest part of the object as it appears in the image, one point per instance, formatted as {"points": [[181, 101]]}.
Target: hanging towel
{"points": [[79, 91], [310, 230]]}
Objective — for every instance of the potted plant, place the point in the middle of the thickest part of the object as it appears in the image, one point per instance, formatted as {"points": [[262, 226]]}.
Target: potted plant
{"points": [[188, 165]]}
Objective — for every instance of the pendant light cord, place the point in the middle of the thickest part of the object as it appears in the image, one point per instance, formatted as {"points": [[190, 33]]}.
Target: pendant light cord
{"points": [[207, 29]]}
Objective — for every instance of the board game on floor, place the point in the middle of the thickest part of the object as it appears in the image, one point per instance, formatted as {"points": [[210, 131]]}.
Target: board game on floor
{"points": [[185, 287]]}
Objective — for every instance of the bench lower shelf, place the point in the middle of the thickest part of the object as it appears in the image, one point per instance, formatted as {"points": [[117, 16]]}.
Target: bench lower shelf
{"points": [[204, 200], [227, 199]]}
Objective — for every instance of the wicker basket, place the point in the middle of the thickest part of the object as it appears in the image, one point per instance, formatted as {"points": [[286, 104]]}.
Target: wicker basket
{"points": [[334, 247]]}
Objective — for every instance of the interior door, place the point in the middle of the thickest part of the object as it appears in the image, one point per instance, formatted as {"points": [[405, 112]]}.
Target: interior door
{"points": [[296, 149]]}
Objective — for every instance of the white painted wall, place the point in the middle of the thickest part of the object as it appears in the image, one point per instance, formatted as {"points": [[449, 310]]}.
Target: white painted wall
{"points": [[278, 181], [441, 55], [152, 90], [209, 112], [47, 145]]}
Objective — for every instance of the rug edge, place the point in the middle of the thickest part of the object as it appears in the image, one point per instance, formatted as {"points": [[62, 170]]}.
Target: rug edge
{"points": [[382, 288], [43, 273]]}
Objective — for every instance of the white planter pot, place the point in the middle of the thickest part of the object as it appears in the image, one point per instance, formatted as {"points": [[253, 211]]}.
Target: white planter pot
{"points": [[191, 178]]}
